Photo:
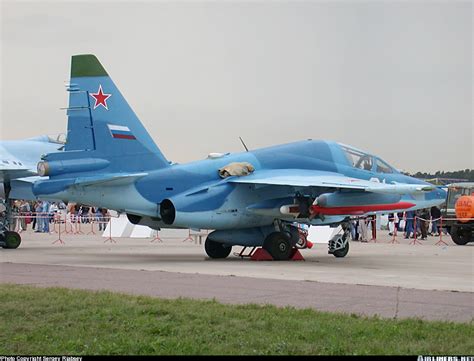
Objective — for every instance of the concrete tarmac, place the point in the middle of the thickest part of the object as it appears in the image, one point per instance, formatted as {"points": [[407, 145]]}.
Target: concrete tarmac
{"points": [[427, 281]]}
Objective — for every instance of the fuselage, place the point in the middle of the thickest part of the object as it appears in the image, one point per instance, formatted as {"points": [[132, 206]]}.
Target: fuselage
{"points": [[228, 206]]}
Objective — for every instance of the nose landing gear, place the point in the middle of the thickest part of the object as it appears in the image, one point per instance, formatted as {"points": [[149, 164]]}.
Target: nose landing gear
{"points": [[339, 243]]}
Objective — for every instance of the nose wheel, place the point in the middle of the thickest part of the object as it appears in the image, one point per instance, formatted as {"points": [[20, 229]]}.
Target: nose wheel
{"points": [[339, 244]]}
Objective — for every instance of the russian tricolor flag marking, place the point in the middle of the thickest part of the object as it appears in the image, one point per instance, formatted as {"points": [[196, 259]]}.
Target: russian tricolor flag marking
{"points": [[120, 132]]}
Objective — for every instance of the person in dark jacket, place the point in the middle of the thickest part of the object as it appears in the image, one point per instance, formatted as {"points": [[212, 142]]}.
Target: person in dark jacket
{"points": [[424, 221], [400, 217], [435, 216], [409, 229]]}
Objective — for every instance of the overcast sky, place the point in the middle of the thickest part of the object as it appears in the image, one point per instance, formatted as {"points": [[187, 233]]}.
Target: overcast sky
{"points": [[390, 77]]}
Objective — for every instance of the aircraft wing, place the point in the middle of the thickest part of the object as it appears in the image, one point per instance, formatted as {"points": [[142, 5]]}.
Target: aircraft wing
{"points": [[107, 180], [310, 178], [7, 174]]}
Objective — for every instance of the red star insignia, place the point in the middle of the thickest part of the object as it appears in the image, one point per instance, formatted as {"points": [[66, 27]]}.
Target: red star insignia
{"points": [[100, 98]]}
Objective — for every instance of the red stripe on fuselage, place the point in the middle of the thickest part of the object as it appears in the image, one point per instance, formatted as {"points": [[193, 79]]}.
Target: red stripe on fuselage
{"points": [[359, 210], [124, 136]]}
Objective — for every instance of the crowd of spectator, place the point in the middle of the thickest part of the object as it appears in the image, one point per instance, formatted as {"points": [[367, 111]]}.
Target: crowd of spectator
{"points": [[420, 224], [40, 214]]}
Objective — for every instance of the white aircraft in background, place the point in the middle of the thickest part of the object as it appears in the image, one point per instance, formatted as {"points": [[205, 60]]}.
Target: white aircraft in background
{"points": [[18, 160]]}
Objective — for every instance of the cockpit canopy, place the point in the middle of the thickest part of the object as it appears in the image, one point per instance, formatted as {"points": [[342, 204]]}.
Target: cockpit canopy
{"points": [[56, 138], [361, 160]]}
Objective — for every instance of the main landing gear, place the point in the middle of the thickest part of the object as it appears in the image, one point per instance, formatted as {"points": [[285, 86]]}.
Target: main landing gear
{"points": [[278, 245], [216, 249], [8, 239], [281, 242]]}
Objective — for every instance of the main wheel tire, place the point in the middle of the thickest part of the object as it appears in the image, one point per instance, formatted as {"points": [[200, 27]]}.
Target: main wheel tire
{"points": [[460, 236], [342, 252], [216, 249], [12, 240], [278, 245]]}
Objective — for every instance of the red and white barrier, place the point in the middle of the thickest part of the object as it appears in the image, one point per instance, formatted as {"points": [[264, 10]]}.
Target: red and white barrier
{"points": [[70, 224]]}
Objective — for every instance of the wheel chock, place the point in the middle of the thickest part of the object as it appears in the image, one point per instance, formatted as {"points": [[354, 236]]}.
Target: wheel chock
{"points": [[262, 255], [297, 256]]}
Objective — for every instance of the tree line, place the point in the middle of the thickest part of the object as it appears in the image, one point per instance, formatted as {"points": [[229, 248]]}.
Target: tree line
{"points": [[464, 175]]}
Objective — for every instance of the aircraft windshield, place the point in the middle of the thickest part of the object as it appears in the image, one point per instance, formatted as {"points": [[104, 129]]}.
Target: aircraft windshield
{"points": [[357, 158], [383, 167], [361, 160]]}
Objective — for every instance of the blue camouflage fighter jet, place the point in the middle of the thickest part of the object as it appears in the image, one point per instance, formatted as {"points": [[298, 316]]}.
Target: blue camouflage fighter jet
{"points": [[253, 198]]}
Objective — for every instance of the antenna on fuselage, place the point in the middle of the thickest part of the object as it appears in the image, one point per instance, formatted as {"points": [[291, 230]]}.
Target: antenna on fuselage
{"points": [[243, 143]]}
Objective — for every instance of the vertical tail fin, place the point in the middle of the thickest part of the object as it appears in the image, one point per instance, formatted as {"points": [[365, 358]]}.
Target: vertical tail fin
{"points": [[101, 122]]}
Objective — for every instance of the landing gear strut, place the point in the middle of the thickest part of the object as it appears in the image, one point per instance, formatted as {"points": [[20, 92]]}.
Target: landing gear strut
{"points": [[8, 238]]}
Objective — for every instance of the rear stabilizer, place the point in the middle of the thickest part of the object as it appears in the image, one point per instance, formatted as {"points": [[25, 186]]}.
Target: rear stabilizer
{"points": [[102, 123]]}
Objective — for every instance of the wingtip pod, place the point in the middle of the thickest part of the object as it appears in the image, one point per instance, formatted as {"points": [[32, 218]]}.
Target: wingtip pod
{"points": [[86, 65]]}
